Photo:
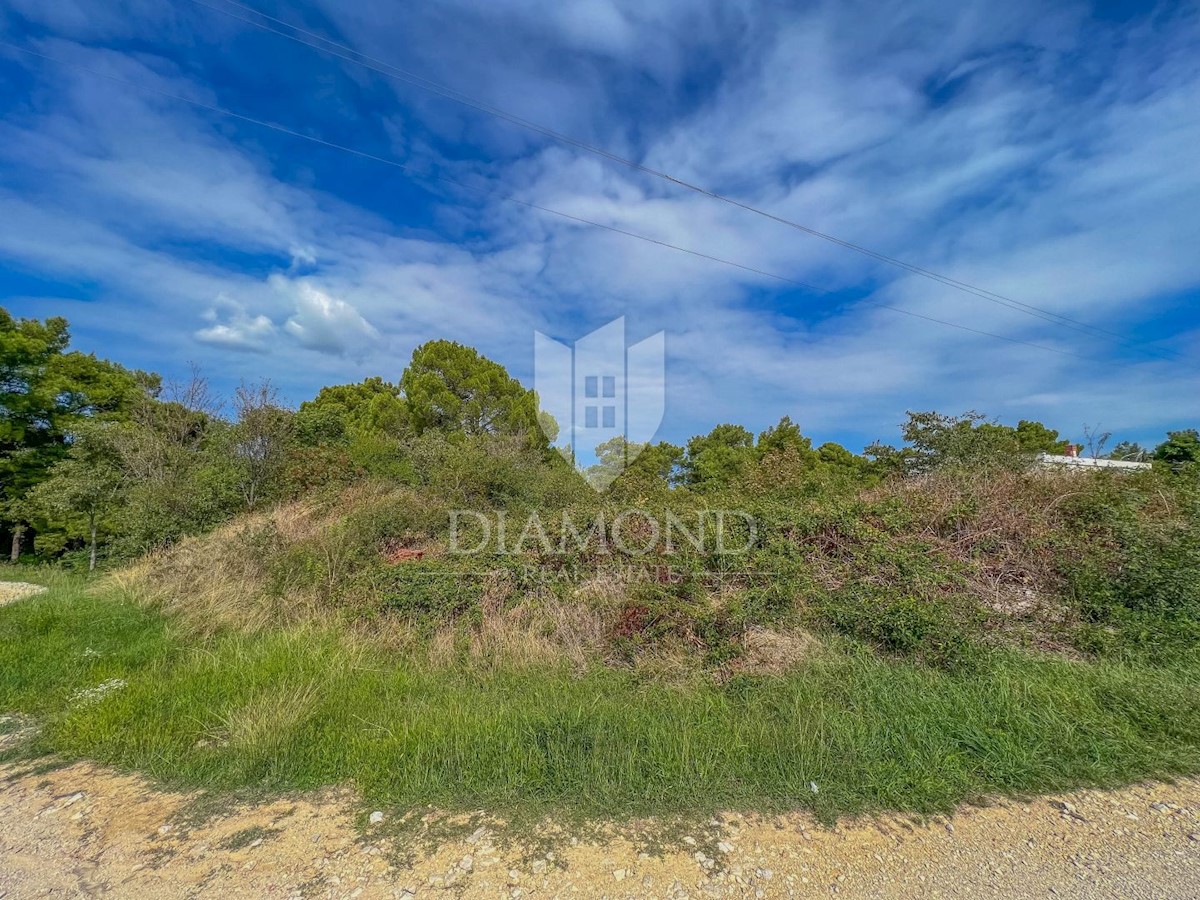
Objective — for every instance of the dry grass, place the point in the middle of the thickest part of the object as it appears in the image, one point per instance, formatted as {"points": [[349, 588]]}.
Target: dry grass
{"points": [[1004, 527], [264, 725], [219, 581], [991, 540], [769, 652]]}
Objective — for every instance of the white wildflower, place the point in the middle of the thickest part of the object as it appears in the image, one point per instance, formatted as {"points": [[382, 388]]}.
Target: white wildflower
{"points": [[88, 696]]}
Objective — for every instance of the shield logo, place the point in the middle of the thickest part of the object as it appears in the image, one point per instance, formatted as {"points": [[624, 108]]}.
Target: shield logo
{"points": [[608, 401]]}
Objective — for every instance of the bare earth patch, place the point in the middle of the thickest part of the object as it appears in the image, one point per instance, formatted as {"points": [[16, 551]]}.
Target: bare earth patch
{"points": [[18, 590], [84, 831]]}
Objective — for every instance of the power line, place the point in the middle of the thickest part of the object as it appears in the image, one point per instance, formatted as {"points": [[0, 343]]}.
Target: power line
{"points": [[349, 54], [362, 154]]}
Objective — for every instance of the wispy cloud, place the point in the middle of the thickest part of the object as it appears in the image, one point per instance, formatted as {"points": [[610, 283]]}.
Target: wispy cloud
{"points": [[1045, 156], [232, 327]]}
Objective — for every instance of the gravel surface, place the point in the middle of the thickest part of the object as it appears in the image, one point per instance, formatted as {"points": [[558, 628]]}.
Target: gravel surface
{"points": [[82, 831], [16, 590]]}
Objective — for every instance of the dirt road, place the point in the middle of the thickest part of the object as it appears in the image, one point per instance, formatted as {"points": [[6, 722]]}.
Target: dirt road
{"points": [[82, 831]]}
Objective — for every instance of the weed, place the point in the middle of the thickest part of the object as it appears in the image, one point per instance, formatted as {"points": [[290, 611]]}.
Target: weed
{"points": [[872, 732]]}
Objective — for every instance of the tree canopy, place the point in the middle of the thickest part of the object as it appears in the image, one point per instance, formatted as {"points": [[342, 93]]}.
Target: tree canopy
{"points": [[934, 439], [340, 412], [46, 393], [1180, 449], [453, 388], [97, 459]]}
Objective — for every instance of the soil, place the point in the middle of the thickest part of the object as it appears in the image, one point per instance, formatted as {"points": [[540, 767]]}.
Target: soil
{"points": [[17, 590], [84, 831]]}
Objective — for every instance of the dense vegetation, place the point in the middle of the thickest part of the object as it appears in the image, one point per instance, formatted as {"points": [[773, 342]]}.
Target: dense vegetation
{"points": [[91, 452], [287, 709], [904, 627]]}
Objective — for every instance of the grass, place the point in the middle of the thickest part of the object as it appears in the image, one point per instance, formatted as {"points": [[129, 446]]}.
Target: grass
{"points": [[301, 708]]}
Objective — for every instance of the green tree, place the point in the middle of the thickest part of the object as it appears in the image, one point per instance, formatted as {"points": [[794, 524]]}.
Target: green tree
{"points": [[339, 412], [452, 388], [835, 456], [28, 445], [1034, 437], [639, 466], [936, 440], [719, 457], [259, 442], [365, 424], [46, 392], [1129, 451], [1180, 449], [82, 489], [786, 437], [181, 476], [661, 461]]}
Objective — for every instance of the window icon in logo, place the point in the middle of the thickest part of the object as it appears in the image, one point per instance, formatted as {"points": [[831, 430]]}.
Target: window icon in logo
{"points": [[596, 387]]}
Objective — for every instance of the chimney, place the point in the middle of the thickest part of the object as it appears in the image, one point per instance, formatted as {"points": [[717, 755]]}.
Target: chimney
{"points": [[1072, 450]]}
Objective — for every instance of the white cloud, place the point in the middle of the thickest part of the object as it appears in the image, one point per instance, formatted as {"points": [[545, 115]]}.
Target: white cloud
{"points": [[234, 329], [326, 323], [302, 256]]}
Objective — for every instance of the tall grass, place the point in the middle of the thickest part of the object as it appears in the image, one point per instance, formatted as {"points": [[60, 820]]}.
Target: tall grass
{"points": [[306, 707]]}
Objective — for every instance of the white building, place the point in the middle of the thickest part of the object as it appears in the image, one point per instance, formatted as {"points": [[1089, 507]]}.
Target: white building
{"points": [[1072, 460]]}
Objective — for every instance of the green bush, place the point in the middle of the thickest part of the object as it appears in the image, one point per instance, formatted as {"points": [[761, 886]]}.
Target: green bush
{"points": [[1133, 566], [676, 617], [923, 628], [430, 594]]}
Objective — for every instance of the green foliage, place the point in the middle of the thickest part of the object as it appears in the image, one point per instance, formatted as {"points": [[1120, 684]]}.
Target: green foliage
{"points": [[368, 422], [28, 348], [82, 490], [338, 415], [837, 456], [257, 444], [668, 616], [935, 440], [717, 458], [47, 392], [785, 438], [1034, 437], [481, 471], [430, 594], [633, 470], [1129, 451], [1180, 450], [923, 628], [452, 388], [180, 476], [285, 711], [1135, 574], [867, 575]]}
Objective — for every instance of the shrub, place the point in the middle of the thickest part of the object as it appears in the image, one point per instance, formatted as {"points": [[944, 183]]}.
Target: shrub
{"points": [[920, 627], [1134, 573]]}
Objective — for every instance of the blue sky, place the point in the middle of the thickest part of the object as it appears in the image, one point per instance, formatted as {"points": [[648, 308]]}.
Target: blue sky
{"points": [[1045, 152]]}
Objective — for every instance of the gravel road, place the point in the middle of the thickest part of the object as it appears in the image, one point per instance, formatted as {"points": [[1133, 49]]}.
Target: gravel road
{"points": [[82, 831]]}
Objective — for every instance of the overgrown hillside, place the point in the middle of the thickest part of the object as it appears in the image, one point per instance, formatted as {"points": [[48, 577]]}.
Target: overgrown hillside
{"points": [[938, 568], [405, 586]]}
